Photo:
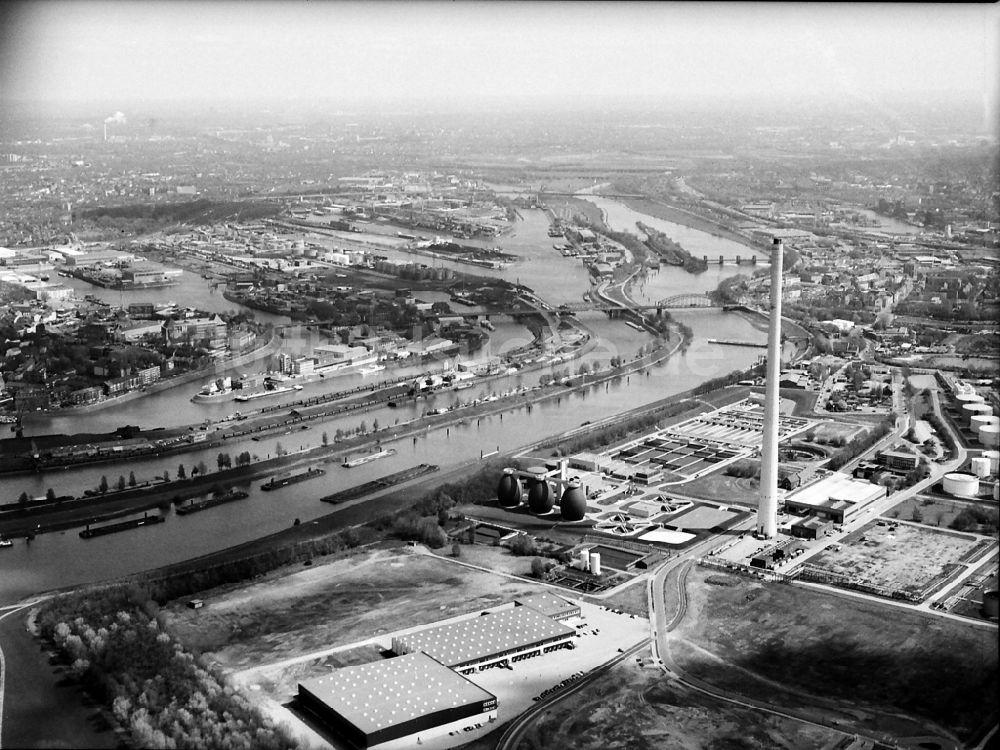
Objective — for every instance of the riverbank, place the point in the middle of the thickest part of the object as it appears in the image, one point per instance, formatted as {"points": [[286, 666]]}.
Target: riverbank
{"points": [[32, 521], [266, 350], [685, 217]]}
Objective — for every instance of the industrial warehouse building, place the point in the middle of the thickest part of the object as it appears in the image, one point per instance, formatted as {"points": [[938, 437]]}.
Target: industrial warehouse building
{"points": [[838, 498], [374, 703], [511, 633], [550, 605]]}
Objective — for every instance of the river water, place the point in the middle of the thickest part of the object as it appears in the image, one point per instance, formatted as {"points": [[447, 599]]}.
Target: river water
{"points": [[62, 558]]}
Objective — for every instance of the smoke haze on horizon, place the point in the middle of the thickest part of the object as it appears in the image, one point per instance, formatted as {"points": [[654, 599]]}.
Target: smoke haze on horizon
{"points": [[65, 52]]}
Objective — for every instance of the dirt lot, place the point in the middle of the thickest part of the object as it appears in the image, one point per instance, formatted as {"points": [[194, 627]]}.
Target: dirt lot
{"points": [[833, 430], [906, 559], [309, 609], [874, 658]]}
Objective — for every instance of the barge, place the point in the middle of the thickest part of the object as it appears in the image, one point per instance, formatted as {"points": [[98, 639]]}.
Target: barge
{"points": [[389, 480], [226, 497], [384, 453], [276, 484], [114, 528]]}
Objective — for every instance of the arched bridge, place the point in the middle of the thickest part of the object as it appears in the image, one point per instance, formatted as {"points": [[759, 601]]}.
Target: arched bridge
{"points": [[686, 300]]}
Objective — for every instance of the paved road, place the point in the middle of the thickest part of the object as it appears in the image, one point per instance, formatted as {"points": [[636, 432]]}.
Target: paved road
{"points": [[35, 709]]}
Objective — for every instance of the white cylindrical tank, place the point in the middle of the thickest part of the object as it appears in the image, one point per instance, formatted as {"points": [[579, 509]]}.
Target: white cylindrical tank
{"points": [[994, 458], [584, 559], [978, 420], [981, 467], [975, 409], [989, 435], [969, 397], [595, 563], [961, 484]]}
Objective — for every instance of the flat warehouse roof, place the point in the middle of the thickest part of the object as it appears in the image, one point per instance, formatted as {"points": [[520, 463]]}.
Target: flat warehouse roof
{"points": [[481, 637], [837, 487], [385, 693], [548, 604]]}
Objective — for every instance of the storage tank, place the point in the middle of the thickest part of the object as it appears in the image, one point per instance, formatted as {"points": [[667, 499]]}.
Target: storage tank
{"points": [[573, 504], [509, 490], [595, 563], [994, 457], [978, 420], [991, 604], [989, 435], [961, 484], [974, 409], [980, 467], [540, 499], [584, 559], [967, 397]]}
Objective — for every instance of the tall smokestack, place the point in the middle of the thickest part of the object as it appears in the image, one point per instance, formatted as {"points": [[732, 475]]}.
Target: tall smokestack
{"points": [[105, 132], [767, 507]]}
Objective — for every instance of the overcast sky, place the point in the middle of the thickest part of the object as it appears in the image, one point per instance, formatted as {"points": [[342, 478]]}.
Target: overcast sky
{"points": [[149, 49]]}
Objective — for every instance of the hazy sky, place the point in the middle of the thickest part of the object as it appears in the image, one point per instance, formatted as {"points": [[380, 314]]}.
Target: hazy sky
{"points": [[149, 49]]}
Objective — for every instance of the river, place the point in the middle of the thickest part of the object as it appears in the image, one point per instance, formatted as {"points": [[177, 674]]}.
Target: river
{"points": [[60, 559]]}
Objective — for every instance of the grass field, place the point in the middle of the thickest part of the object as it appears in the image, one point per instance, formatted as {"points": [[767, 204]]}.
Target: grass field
{"points": [[334, 604], [721, 488], [638, 709], [932, 511], [874, 658]]}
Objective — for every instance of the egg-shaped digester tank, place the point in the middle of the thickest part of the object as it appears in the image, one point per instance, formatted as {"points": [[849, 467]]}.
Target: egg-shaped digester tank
{"points": [[509, 490], [540, 499], [573, 504]]}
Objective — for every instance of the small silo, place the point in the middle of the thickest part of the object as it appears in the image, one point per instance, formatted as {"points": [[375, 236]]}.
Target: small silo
{"points": [[991, 605], [975, 409], [994, 458], [584, 559], [980, 467], [540, 498], [573, 504], [509, 490], [961, 484], [595, 563], [989, 435]]}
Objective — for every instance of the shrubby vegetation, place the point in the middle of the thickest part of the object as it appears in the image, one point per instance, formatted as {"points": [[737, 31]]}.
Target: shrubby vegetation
{"points": [[859, 445], [161, 693], [974, 518], [671, 251]]}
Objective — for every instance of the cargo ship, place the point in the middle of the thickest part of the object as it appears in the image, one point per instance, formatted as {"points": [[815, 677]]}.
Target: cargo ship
{"points": [[221, 388], [383, 453], [114, 528], [276, 484], [226, 497], [268, 392]]}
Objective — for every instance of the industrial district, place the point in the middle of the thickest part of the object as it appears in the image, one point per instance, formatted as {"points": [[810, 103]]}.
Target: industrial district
{"points": [[377, 432]]}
